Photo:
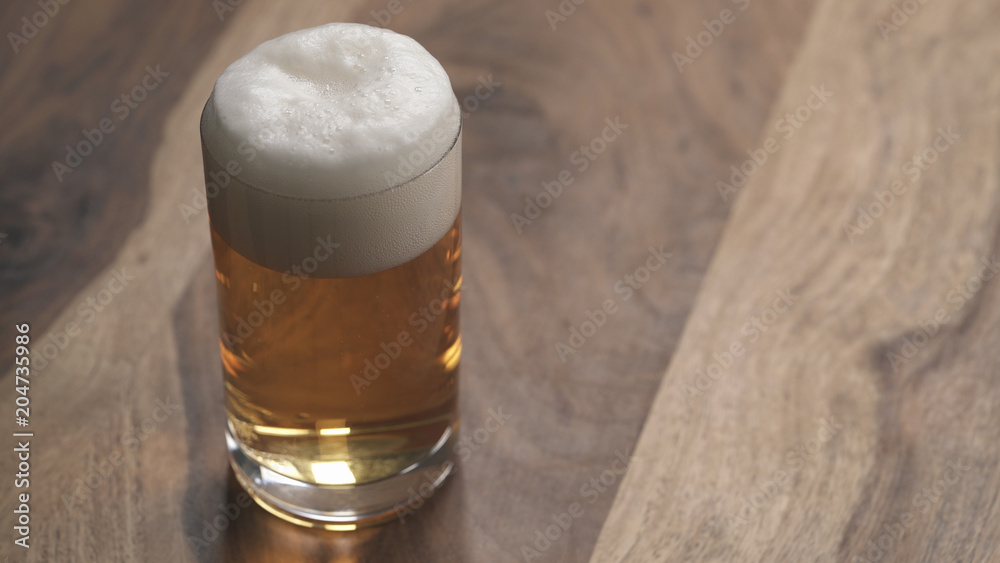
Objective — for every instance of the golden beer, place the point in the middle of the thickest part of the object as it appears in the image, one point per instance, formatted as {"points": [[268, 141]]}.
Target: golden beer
{"points": [[333, 174], [344, 380]]}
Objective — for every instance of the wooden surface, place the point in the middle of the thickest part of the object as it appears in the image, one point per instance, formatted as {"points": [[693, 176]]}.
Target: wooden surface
{"points": [[702, 452], [876, 393]]}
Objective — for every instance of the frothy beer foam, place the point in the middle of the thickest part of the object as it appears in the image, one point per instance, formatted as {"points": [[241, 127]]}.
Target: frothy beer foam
{"points": [[341, 132]]}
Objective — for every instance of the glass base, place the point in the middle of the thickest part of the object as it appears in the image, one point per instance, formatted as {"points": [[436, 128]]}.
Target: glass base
{"points": [[343, 507]]}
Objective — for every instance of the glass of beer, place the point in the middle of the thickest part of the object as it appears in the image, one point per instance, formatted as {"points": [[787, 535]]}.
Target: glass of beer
{"points": [[333, 174]]}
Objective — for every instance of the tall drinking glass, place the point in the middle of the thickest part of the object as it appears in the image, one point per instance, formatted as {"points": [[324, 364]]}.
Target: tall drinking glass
{"points": [[333, 174]]}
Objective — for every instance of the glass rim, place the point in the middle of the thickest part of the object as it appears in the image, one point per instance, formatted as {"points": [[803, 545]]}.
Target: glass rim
{"points": [[431, 168]]}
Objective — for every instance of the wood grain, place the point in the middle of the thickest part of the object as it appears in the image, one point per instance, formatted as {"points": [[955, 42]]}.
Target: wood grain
{"points": [[63, 230], [524, 291], [881, 424]]}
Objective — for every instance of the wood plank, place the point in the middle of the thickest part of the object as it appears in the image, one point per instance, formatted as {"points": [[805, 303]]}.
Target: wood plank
{"points": [[745, 465], [156, 340], [62, 230]]}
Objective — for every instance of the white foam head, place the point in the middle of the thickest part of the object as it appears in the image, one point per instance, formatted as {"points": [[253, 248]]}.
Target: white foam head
{"points": [[344, 132]]}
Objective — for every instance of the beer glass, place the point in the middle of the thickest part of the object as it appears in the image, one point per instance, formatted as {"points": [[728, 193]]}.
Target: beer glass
{"points": [[338, 277]]}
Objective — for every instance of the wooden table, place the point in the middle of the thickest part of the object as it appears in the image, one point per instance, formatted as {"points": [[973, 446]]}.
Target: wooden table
{"points": [[810, 375]]}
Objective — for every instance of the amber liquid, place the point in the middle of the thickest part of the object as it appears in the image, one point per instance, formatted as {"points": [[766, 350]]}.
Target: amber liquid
{"points": [[341, 381]]}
